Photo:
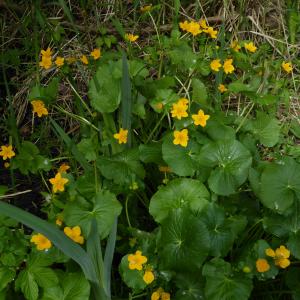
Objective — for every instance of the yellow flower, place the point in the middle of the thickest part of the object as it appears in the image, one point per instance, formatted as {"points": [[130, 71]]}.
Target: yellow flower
{"points": [[181, 137], [194, 28], [6, 165], [63, 168], [215, 65], [58, 221], [130, 37], [146, 8], [250, 47], [46, 62], [160, 294], [165, 296], [148, 276], [179, 110], [262, 265], [134, 186], [165, 169], [200, 118], [235, 46], [222, 88], [184, 25], [287, 67], [42, 243], [59, 61], [203, 24], [38, 107], [58, 183], [47, 52], [96, 53], [227, 66], [7, 152], [213, 33], [136, 261], [281, 256], [121, 136], [74, 234], [183, 101], [84, 60]]}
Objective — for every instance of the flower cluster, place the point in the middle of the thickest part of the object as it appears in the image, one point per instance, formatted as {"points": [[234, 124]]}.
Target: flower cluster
{"points": [[281, 259], [179, 110], [195, 28], [46, 61], [136, 262], [280, 255], [228, 67], [160, 294]]}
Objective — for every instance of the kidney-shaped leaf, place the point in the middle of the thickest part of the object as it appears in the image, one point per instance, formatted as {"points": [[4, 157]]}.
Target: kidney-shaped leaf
{"points": [[105, 209], [230, 162], [280, 184], [221, 283], [178, 193], [105, 87], [184, 241]]}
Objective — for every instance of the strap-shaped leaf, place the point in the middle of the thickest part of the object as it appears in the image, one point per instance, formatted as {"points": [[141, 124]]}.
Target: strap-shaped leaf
{"points": [[57, 237]]}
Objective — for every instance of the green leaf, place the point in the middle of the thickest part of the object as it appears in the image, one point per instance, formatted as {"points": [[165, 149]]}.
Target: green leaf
{"points": [[133, 278], [88, 148], [238, 86], [7, 275], [293, 244], [105, 209], [230, 162], [178, 157], [122, 167], [280, 185], [184, 241], [28, 285], [73, 287], [178, 193], [105, 87], [45, 277], [199, 91], [221, 283], [222, 231], [151, 153], [266, 129], [218, 131]]}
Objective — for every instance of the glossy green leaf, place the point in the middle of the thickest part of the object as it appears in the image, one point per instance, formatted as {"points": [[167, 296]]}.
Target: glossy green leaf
{"points": [[222, 283], [280, 185], [178, 193], [122, 167], [133, 278], [199, 91], [105, 87], [178, 157], [230, 162], [184, 241], [222, 231], [7, 275], [105, 208]]}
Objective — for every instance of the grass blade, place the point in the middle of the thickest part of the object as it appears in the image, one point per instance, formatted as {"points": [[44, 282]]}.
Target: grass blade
{"points": [[109, 253], [126, 98], [57, 237], [95, 253]]}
